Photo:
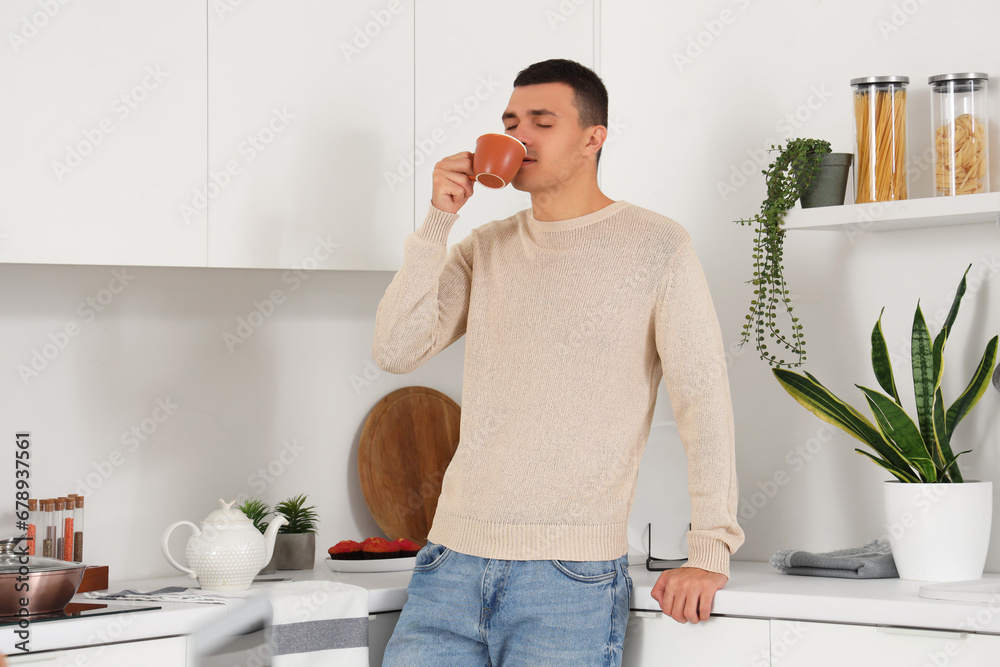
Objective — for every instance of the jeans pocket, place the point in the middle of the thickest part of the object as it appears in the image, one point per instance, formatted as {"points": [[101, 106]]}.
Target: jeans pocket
{"points": [[628, 578], [587, 571], [430, 557]]}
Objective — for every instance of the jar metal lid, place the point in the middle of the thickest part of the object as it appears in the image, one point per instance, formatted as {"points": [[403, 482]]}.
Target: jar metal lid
{"points": [[880, 79], [977, 76]]}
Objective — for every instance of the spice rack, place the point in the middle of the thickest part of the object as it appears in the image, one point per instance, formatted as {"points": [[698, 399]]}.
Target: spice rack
{"points": [[896, 215], [95, 578]]}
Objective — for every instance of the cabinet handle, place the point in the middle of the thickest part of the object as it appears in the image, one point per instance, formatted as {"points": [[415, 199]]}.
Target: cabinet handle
{"points": [[648, 614], [919, 632], [45, 656]]}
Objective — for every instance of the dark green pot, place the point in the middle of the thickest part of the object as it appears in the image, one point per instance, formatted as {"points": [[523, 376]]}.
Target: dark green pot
{"points": [[830, 186]]}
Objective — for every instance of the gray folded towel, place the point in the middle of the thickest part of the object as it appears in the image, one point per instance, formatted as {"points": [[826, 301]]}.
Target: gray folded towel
{"points": [[872, 561]]}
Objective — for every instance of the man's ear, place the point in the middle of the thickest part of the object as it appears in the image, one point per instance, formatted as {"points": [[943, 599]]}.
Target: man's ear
{"points": [[596, 136]]}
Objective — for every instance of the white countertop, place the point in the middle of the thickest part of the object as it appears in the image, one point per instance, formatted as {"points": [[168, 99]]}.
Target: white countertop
{"points": [[755, 590], [758, 590]]}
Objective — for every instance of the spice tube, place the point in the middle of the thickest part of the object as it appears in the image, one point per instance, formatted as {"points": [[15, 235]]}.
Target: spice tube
{"points": [[48, 527], [60, 508], [880, 138], [32, 524], [67, 529], [960, 123], [78, 530]]}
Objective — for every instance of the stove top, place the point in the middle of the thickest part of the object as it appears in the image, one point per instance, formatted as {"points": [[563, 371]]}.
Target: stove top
{"points": [[79, 610]]}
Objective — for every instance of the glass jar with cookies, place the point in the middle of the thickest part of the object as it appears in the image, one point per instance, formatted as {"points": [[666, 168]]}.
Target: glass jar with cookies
{"points": [[960, 122]]}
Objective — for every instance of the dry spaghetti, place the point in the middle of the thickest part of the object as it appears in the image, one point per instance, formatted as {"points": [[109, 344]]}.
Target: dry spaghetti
{"points": [[880, 120]]}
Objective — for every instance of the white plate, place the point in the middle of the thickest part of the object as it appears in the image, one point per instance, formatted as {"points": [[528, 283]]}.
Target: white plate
{"points": [[373, 565]]}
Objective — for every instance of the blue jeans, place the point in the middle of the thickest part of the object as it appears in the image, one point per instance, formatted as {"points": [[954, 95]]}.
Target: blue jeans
{"points": [[480, 612]]}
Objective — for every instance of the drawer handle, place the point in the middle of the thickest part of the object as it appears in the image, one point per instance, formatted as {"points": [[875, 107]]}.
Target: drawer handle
{"points": [[27, 658], [919, 632]]}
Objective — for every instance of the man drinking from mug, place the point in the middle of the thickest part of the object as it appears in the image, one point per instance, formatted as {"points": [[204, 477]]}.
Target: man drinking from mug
{"points": [[573, 311]]}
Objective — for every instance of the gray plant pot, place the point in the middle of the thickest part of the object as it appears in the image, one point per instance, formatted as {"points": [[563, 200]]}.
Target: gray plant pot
{"points": [[830, 186], [295, 551]]}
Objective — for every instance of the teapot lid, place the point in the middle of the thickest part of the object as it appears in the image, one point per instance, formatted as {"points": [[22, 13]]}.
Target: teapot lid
{"points": [[226, 514]]}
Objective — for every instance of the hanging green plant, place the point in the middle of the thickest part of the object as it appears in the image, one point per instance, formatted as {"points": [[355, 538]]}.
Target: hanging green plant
{"points": [[792, 173]]}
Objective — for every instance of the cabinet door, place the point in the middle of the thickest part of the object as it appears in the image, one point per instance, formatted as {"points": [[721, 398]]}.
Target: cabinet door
{"points": [[170, 652], [104, 133], [380, 627], [653, 638], [799, 644], [310, 106], [467, 56]]}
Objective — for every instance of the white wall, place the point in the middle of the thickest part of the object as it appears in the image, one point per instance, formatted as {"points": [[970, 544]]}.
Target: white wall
{"points": [[689, 125], [679, 132], [290, 400]]}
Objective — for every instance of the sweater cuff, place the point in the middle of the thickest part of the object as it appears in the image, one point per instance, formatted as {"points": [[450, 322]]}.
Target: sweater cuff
{"points": [[436, 225], [708, 553]]}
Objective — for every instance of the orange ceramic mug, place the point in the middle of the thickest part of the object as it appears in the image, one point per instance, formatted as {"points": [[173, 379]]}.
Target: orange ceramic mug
{"points": [[497, 159]]}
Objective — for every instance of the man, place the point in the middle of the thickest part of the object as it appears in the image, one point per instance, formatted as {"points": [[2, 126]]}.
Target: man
{"points": [[573, 310]]}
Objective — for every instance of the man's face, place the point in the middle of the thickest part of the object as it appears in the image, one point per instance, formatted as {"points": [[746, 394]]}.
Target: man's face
{"points": [[544, 118]]}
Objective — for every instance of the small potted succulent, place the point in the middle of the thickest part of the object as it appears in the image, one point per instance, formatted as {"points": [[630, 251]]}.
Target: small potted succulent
{"points": [[257, 510], [937, 522], [295, 546]]}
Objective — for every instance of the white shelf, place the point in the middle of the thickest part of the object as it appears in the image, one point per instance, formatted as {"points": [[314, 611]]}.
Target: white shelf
{"points": [[893, 215]]}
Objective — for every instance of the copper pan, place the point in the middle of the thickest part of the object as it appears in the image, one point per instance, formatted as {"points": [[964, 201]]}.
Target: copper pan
{"points": [[32, 585]]}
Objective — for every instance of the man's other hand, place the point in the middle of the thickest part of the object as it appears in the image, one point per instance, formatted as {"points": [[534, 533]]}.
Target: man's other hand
{"points": [[686, 594]]}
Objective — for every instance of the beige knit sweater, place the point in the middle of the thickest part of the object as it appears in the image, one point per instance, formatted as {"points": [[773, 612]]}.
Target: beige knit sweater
{"points": [[569, 326]]}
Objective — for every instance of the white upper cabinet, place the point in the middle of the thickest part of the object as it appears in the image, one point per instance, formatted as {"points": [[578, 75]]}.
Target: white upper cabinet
{"points": [[103, 131], [310, 108], [467, 55]]}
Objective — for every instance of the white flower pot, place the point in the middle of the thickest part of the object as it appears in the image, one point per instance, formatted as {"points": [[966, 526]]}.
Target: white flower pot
{"points": [[939, 532]]}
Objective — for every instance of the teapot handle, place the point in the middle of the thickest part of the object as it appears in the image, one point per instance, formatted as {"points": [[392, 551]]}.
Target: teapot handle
{"points": [[166, 551]]}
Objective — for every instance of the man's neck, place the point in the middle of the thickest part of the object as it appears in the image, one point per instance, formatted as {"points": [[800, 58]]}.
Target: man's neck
{"points": [[570, 200]]}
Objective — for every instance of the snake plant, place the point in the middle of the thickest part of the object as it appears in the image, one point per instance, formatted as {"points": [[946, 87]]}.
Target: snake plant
{"points": [[912, 450]]}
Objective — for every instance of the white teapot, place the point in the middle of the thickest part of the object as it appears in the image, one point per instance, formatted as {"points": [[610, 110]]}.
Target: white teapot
{"points": [[228, 551]]}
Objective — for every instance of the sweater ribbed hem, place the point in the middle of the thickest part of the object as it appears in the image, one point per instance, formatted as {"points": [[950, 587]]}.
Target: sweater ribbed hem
{"points": [[708, 553], [437, 225], [486, 539]]}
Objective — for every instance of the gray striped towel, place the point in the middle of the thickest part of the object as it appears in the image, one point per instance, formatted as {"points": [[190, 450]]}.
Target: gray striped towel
{"points": [[871, 561]]}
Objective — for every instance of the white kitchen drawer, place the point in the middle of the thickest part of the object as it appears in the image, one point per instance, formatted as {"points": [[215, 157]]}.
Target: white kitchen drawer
{"points": [[655, 639], [170, 652], [801, 644], [380, 627]]}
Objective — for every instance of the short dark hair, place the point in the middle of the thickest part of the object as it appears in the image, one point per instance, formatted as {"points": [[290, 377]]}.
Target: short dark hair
{"points": [[590, 97]]}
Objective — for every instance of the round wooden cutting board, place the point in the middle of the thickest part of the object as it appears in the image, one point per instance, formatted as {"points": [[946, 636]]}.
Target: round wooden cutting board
{"points": [[406, 445]]}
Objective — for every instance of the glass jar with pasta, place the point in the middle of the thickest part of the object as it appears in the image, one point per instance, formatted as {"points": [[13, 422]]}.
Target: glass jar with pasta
{"points": [[880, 138], [960, 121]]}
